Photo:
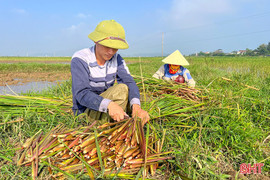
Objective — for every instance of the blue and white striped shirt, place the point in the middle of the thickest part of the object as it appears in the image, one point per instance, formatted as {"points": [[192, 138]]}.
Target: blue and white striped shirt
{"points": [[89, 80]]}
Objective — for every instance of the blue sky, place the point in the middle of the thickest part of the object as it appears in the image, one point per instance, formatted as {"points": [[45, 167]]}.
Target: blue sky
{"points": [[59, 28]]}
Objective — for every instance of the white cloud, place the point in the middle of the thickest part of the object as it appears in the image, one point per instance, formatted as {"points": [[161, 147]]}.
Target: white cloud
{"points": [[18, 11], [188, 13], [74, 28], [83, 16]]}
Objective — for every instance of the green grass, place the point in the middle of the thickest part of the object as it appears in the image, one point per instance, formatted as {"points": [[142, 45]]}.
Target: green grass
{"points": [[12, 59], [210, 141], [33, 67]]}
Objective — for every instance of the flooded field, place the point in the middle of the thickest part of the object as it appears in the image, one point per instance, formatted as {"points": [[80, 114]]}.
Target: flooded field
{"points": [[19, 75], [26, 87], [20, 82]]}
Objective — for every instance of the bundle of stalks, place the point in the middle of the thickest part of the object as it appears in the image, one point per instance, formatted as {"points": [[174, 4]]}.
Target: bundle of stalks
{"points": [[111, 148], [167, 100], [159, 87], [168, 105], [12, 104], [183, 91]]}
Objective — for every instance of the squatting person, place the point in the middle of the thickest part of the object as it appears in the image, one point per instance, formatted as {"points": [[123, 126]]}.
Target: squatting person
{"points": [[173, 69], [94, 71]]}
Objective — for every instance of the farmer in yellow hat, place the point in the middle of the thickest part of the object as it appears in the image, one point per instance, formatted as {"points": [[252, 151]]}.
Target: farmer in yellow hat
{"points": [[94, 71], [173, 69]]}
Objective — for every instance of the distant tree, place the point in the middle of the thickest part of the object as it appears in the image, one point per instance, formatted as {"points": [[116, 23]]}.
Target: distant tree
{"points": [[218, 52], [262, 50], [201, 53], [268, 48], [250, 52]]}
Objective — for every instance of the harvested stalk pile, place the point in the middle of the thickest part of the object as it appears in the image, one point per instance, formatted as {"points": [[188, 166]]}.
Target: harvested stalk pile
{"points": [[184, 92], [14, 104], [159, 87], [109, 149]]}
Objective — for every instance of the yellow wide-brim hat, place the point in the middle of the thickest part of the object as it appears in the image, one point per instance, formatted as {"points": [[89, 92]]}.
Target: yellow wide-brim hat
{"points": [[176, 58], [111, 34]]}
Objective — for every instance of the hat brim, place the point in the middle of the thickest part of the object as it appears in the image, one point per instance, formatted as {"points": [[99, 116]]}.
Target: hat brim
{"points": [[176, 58], [181, 63], [112, 43]]}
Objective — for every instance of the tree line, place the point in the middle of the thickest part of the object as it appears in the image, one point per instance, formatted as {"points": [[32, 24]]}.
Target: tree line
{"points": [[262, 50]]}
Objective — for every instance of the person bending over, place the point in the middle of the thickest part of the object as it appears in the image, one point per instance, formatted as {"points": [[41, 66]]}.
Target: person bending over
{"points": [[94, 71], [173, 69]]}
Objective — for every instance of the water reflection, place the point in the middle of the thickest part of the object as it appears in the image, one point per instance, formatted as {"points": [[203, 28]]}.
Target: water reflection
{"points": [[26, 87]]}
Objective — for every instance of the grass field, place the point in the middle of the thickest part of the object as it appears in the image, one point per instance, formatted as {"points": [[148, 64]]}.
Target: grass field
{"points": [[11, 59], [209, 141]]}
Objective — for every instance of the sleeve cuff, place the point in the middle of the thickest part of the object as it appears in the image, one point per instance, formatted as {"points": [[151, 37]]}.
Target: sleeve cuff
{"points": [[135, 101], [104, 105]]}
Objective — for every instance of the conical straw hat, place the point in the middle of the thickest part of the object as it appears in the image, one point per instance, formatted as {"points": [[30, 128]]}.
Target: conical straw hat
{"points": [[176, 58]]}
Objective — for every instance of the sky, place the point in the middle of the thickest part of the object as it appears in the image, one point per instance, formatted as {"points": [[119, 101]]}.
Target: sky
{"points": [[153, 27]]}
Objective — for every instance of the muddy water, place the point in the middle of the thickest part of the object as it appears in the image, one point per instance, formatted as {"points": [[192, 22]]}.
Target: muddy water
{"points": [[20, 82], [26, 87]]}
